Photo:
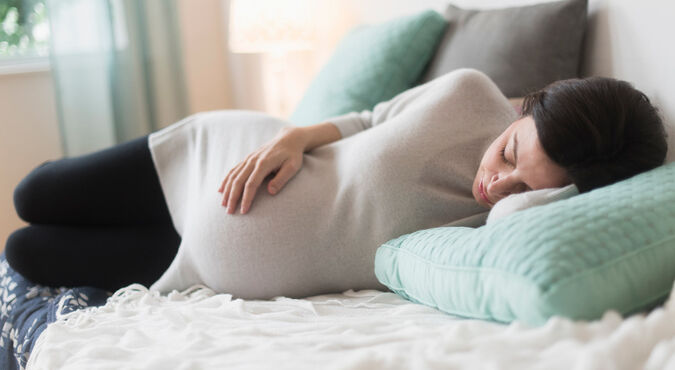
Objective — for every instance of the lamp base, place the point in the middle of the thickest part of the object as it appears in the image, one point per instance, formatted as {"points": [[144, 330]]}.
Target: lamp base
{"points": [[275, 68]]}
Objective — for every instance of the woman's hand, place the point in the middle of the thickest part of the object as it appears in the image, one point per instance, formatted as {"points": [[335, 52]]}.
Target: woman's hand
{"points": [[281, 157]]}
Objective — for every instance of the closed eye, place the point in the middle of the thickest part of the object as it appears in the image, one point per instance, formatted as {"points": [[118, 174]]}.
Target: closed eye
{"points": [[502, 152]]}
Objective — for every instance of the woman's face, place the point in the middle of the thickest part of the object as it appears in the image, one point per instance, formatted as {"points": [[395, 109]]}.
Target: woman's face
{"points": [[516, 162]]}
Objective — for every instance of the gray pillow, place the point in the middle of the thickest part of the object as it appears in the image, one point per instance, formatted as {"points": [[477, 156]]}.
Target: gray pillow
{"points": [[521, 48]]}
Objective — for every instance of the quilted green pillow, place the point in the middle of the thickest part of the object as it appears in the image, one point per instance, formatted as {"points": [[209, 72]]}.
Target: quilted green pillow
{"points": [[611, 248], [371, 64]]}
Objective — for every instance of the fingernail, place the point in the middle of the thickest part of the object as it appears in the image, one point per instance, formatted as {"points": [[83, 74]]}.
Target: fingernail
{"points": [[273, 189]]}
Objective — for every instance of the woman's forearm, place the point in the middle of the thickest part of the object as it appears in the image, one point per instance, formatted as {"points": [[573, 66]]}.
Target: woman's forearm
{"points": [[318, 135]]}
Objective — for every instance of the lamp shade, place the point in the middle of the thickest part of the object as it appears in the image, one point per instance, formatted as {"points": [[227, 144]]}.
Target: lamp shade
{"points": [[268, 26]]}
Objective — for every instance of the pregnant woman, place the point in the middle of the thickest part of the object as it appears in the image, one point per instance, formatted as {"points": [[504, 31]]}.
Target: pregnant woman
{"points": [[315, 202]]}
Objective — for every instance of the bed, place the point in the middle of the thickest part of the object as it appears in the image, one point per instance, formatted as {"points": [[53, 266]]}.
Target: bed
{"points": [[198, 329], [134, 328], [366, 329]]}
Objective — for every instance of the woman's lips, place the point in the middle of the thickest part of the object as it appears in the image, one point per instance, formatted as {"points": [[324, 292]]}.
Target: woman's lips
{"points": [[481, 191]]}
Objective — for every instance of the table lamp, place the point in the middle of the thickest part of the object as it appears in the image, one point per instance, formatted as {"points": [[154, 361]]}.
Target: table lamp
{"points": [[272, 28]]}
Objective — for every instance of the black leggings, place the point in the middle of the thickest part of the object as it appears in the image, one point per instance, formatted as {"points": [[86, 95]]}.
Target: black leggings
{"points": [[98, 220]]}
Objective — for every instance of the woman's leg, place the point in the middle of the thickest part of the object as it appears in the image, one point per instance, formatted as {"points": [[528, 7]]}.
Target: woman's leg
{"points": [[99, 219], [99, 256], [113, 186]]}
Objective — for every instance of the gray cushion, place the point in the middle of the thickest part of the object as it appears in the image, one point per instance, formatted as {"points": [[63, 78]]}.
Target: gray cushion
{"points": [[521, 48]]}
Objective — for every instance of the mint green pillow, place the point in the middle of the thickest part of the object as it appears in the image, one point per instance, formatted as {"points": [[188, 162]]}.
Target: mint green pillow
{"points": [[371, 64], [611, 248]]}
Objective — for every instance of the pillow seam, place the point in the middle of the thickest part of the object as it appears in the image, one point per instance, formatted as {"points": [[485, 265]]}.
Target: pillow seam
{"points": [[492, 317], [464, 268], [565, 281], [554, 286]]}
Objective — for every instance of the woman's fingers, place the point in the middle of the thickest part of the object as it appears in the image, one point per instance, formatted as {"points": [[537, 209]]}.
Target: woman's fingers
{"points": [[252, 185], [222, 185], [238, 186], [280, 159], [231, 174], [228, 181], [227, 177], [288, 169]]}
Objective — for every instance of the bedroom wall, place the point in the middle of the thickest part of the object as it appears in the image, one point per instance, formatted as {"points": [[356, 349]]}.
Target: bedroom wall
{"points": [[252, 74], [29, 136], [205, 57], [632, 40]]}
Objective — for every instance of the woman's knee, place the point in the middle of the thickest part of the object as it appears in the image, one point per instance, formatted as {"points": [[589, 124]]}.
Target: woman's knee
{"points": [[19, 251], [26, 193]]}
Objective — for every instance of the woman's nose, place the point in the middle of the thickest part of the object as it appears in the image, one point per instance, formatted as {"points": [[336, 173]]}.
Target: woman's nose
{"points": [[502, 186]]}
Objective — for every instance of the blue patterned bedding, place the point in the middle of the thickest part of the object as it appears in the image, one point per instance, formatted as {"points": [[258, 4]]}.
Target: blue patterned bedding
{"points": [[27, 308]]}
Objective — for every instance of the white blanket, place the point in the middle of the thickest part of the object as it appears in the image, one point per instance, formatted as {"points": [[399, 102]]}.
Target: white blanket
{"points": [[367, 329]]}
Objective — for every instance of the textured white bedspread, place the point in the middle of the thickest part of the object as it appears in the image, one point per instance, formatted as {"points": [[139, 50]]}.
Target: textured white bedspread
{"points": [[367, 329]]}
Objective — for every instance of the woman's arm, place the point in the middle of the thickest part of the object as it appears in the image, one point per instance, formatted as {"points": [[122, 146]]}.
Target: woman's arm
{"points": [[355, 122], [281, 157], [318, 135]]}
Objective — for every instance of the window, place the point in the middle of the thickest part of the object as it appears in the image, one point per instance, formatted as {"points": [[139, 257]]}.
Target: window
{"points": [[24, 30]]}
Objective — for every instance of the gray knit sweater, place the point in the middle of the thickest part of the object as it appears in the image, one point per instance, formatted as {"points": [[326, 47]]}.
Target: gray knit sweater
{"points": [[407, 165]]}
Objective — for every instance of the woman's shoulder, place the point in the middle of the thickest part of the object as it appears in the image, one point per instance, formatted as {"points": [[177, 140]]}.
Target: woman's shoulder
{"points": [[460, 78]]}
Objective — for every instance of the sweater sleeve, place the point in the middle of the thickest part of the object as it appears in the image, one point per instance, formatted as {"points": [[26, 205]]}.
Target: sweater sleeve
{"points": [[355, 122]]}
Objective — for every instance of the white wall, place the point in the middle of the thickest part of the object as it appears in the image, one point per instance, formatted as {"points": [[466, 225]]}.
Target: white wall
{"points": [[205, 56], [632, 40], [252, 74], [29, 136]]}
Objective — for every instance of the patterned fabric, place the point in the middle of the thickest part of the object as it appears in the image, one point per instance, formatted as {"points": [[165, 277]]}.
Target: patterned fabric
{"points": [[26, 309]]}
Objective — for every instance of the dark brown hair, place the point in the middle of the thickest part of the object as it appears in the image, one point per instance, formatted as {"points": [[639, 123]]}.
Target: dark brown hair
{"points": [[601, 130]]}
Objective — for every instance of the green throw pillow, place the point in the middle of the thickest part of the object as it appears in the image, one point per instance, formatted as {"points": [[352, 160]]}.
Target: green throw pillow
{"points": [[371, 64], [611, 248]]}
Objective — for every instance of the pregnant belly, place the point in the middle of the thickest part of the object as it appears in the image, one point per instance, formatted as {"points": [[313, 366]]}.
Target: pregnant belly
{"points": [[285, 244], [299, 242]]}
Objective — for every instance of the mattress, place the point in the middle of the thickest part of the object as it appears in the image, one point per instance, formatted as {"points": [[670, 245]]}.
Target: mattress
{"points": [[367, 329]]}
